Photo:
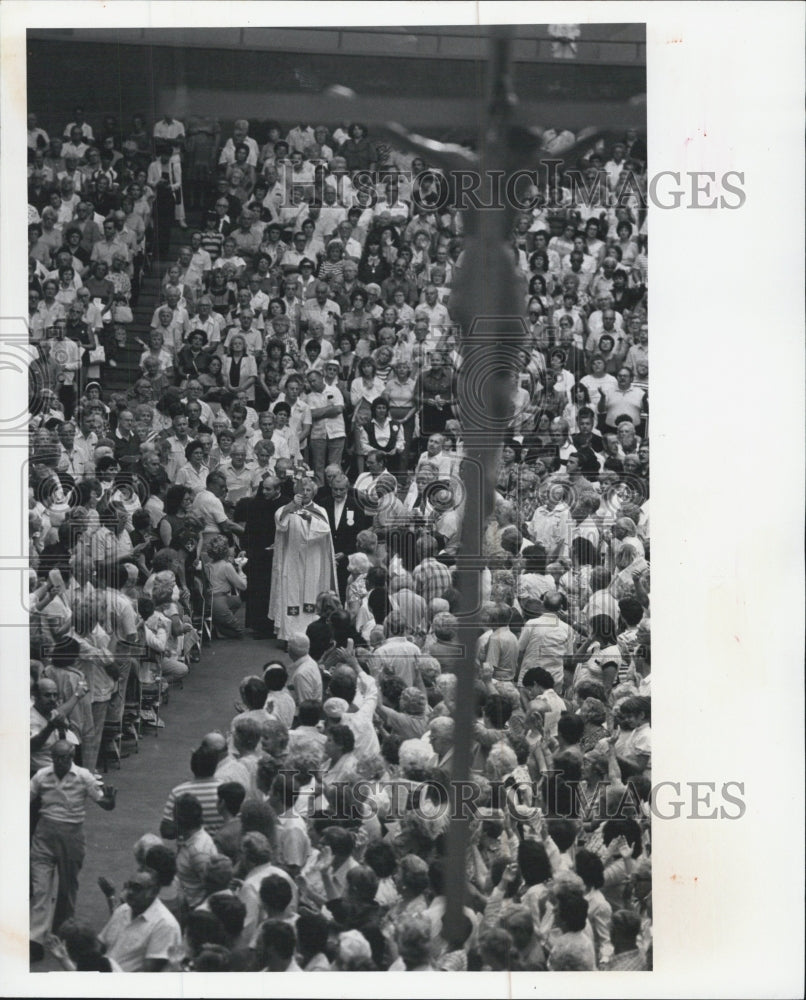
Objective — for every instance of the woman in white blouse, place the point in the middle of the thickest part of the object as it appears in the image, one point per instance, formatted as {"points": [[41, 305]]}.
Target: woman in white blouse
{"points": [[364, 390], [111, 542], [399, 391], [194, 474], [384, 435], [239, 369]]}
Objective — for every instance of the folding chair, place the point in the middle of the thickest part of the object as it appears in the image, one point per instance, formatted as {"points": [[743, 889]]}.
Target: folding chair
{"points": [[131, 712], [151, 698], [118, 724], [201, 607], [111, 743], [205, 625]]}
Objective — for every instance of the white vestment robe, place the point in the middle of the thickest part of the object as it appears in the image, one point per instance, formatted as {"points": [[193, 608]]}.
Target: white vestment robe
{"points": [[304, 565]]}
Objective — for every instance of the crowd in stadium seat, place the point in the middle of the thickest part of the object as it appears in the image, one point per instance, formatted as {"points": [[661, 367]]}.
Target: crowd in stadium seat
{"points": [[283, 468]]}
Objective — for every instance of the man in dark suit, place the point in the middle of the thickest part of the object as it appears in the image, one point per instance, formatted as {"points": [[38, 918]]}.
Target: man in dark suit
{"points": [[284, 470], [347, 518], [127, 443], [587, 442], [324, 493]]}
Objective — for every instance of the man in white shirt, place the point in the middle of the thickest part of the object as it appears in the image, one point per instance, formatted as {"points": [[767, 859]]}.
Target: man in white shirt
{"points": [[545, 641], [604, 320], [300, 417], [328, 431], [194, 392], [238, 473], [230, 256], [550, 524], [177, 441], [37, 137], [339, 180], [324, 309], [582, 513], [207, 505], [435, 454], [422, 336], [292, 257], [601, 600], [538, 685], [615, 165], [79, 123], [392, 204], [57, 849], [352, 246], [360, 691], [316, 332], [180, 319], [276, 193], [559, 431], [212, 323], [142, 933], [304, 676], [105, 249], [245, 328], [74, 460], [258, 301], [598, 379], [240, 135], [438, 317], [76, 149], [67, 355], [170, 130], [191, 273], [240, 764], [375, 467], [398, 655], [331, 214], [300, 137], [255, 864], [623, 400]]}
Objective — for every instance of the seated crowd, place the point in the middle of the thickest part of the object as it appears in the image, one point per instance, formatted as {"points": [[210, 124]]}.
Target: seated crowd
{"points": [[301, 365]]}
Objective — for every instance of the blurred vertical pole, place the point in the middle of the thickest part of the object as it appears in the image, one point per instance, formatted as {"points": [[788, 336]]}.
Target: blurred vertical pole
{"points": [[485, 400]]}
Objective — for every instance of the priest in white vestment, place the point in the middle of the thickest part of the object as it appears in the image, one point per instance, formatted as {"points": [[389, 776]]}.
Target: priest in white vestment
{"points": [[304, 562]]}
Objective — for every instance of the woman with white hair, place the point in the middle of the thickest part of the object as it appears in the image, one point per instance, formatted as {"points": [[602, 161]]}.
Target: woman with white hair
{"points": [[353, 953], [623, 534], [357, 568], [411, 882], [414, 945], [500, 762], [630, 569], [414, 757], [408, 603], [446, 685]]}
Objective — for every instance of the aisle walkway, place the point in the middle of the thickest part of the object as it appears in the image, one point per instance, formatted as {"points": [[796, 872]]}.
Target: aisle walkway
{"points": [[145, 778]]}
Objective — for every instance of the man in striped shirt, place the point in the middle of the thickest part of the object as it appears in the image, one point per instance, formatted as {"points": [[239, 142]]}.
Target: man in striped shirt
{"points": [[203, 784]]}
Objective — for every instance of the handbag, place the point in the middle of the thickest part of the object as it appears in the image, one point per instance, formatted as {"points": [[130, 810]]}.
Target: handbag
{"points": [[122, 313], [97, 356]]}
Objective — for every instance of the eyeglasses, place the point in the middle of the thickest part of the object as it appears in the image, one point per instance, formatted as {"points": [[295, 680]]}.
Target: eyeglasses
{"points": [[137, 887]]}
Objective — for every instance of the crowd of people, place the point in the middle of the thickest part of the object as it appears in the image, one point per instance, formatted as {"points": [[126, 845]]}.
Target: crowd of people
{"points": [[287, 467]]}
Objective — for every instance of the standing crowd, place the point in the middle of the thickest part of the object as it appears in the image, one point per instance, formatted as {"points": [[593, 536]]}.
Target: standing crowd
{"points": [[286, 466]]}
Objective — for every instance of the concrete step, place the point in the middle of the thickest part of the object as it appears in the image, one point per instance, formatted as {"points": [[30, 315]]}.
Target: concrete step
{"points": [[127, 370]]}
